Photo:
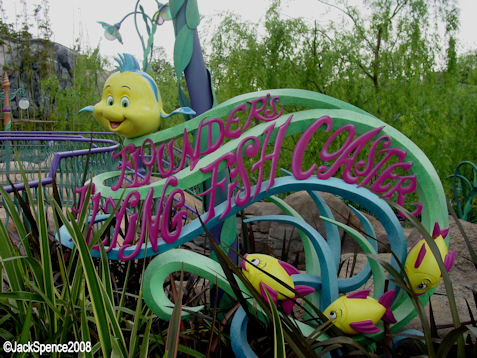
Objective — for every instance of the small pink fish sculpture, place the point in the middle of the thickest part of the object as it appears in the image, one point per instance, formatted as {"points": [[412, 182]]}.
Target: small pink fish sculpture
{"points": [[279, 269], [357, 313], [421, 265]]}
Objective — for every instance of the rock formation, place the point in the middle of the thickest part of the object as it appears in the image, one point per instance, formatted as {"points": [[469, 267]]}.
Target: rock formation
{"points": [[26, 71]]}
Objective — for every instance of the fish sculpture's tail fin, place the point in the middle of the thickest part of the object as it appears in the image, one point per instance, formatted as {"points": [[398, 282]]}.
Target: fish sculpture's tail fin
{"points": [[386, 300], [303, 290]]}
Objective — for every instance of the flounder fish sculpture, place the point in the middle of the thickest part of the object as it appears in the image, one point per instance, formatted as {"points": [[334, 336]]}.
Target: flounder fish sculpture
{"points": [[421, 265], [357, 313], [279, 269], [131, 104]]}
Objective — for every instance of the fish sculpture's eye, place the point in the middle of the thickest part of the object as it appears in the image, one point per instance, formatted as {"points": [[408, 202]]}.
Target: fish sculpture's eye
{"points": [[124, 102], [255, 262], [421, 286], [109, 101], [332, 315]]}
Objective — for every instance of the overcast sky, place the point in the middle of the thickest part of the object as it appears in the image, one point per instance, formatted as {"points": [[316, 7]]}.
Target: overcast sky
{"points": [[77, 19]]}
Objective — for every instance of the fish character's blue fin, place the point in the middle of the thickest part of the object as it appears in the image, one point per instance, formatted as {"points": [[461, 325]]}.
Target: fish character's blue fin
{"points": [[103, 24], [86, 109], [181, 110]]}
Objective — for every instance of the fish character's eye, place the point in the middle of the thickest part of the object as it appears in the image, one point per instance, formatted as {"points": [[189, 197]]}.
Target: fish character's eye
{"points": [[255, 262], [421, 286], [124, 102], [332, 315], [110, 101]]}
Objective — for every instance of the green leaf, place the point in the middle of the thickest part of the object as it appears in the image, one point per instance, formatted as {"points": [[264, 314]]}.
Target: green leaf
{"points": [[145, 340], [25, 208], [46, 264], [57, 198], [85, 336], [229, 270], [344, 340], [147, 52], [124, 290], [278, 340], [175, 322], [25, 334], [13, 270], [105, 273], [450, 341], [92, 281], [175, 6], [117, 351], [133, 341], [144, 17], [190, 352], [21, 295], [192, 14], [10, 206], [183, 47], [432, 321]]}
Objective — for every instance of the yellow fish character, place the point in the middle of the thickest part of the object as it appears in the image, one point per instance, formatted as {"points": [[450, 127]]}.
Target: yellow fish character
{"points": [[357, 313], [279, 269], [421, 265], [131, 104]]}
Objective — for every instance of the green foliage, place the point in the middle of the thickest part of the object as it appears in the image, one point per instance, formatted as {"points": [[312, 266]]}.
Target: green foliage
{"points": [[43, 297], [242, 62], [30, 56], [392, 62], [55, 296], [88, 78], [464, 187]]}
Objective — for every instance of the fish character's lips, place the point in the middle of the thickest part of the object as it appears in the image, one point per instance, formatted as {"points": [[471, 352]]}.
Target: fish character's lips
{"points": [[115, 125]]}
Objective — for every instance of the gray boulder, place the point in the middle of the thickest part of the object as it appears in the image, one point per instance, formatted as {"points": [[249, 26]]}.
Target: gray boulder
{"points": [[60, 58]]}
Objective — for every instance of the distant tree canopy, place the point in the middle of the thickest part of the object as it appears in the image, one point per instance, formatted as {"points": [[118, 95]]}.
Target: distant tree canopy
{"points": [[398, 61], [395, 63]]}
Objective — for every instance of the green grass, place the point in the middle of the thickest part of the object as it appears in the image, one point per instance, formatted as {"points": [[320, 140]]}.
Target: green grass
{"points": [[55, 295]]}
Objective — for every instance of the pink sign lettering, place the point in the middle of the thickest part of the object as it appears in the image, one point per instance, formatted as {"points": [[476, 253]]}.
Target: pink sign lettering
{"points": [[384, 171]]}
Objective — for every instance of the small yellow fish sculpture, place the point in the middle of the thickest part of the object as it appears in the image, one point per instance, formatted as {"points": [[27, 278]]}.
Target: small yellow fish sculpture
{"points": [[421, 265], [131, 104], [357, 313], [279, 269]]}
